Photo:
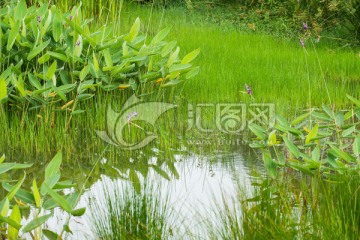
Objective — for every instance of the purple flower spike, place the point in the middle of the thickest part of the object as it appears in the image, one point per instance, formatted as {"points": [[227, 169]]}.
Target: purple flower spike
{"points": [[302, 43], [305, 26], [248, 89], [131, 116]]}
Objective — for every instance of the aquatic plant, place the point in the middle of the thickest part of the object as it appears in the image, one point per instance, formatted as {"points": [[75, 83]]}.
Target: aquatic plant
{"points": [[323, 142], [42, 199], [54, 58], [119, 212]]}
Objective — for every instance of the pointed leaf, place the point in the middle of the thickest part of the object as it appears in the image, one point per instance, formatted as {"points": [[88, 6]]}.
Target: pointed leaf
{"points": [[12, 35], [16, 217], [3, 89], [36, 194], [58, 199], [54, 166], [134, 31], [293, 149], [35, 223], [191, 56], [312, 134]]}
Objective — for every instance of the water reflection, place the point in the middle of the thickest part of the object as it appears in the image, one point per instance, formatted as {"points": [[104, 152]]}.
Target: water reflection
{"points": [[199, 183]]}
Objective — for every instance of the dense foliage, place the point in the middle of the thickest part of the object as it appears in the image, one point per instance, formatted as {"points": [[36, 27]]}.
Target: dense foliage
{"points": [[48, 57], [318, 142]]}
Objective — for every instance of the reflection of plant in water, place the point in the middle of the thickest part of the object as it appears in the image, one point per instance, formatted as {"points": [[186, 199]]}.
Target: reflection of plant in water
{"points": [[127, 214], [290, 207]]}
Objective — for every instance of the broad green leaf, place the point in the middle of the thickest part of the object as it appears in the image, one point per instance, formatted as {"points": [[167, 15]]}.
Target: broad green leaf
{"points": [[17, 186], [179, 67], [272, 139], [58, 56], [354, 100], [315, 154], [50, 234], [321, 116], [47, 23], [108, 59], [35, 51], [36, 194], [78, 112], [190, 56], [341, 154], [16, 217], [4, 167], [22, 194], [78, 47], [192, 73], [54, 166], [168, 48], [300, 118], [160, 36], [348, 131], [78, 212], [12, 35], [51, 70], [291, 146], [10, 222], [58, 199], [134, 31], [34, 81], [56, 26], [3, 89], [60, 93], [84, 72], [96, 63], [20, 85], [257, 130], [83, 97], [269, 164], [312, 134], [173, 57], [20, 10], [339, 119], [4, 207], [35, 223], [51, 182], [44, 58]]}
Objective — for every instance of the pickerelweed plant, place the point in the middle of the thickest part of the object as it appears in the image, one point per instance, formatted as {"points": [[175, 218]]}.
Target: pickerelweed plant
{"points": [[318, 142], [41, 200], [52, 58]]}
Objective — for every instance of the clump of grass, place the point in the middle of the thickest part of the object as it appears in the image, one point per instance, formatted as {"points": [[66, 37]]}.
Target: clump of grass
{"points": [[124, 213], [291, 208]]}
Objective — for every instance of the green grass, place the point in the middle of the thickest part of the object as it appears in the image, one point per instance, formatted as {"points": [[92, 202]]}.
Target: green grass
{"points": [[278, 70], [290, 208], [119, 212]]}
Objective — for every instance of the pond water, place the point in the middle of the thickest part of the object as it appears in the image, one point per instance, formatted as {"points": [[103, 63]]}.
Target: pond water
{"points": [[202, 183]]}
